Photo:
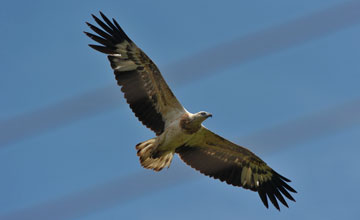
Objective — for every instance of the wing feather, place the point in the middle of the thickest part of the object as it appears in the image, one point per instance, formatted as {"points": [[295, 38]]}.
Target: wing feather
{"points": [[144, 88], [221, 159]]}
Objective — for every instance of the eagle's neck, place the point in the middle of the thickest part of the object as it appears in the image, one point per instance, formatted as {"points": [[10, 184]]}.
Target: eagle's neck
{"points": [[189, 123]]}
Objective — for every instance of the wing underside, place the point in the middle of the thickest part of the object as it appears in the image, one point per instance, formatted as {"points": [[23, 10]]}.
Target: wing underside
{"points": [[145, 90], [216, 157]]}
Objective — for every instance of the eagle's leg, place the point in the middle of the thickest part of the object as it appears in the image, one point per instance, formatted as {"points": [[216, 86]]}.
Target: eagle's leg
{"points": [[151, 158]]}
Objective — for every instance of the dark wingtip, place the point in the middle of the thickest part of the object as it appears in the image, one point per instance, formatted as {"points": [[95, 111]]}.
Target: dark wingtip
{"points": [[273, 201], [275, 190], [263, 198], [102, 14], [87, 34], [289, 188], [280, 197], [93, 27], [281, 176], [118, 27], [92, 15], [101, 49]]}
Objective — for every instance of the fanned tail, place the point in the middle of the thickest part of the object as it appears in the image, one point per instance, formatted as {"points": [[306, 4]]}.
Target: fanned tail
{"points": [[150, 158]]}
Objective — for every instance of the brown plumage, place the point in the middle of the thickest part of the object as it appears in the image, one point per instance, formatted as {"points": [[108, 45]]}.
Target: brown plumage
{"points": [[177, 130], [144, 87], [186, 125], [221, 159]]}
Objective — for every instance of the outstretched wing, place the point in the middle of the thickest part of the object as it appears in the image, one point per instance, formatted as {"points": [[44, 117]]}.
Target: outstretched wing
{"points": [[216, 157], [146, 91]]}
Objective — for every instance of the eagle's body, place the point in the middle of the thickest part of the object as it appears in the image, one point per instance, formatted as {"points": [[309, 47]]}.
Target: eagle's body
{"points": [[175, 135], [157, 153], [177, 130]]}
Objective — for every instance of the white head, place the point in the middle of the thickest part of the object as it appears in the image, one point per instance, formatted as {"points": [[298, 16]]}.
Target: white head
{"points": [[191, 123], [201, 116]]}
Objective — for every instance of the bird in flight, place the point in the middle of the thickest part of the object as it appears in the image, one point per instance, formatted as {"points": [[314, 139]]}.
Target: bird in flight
{"points": [[177, 130]]}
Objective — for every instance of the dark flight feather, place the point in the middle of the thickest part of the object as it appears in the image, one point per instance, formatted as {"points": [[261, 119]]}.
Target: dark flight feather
{"points": [[144, 88], [216, 157]]}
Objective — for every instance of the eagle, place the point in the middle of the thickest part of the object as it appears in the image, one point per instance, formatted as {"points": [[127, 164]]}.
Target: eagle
{"points": [[177, 130]]}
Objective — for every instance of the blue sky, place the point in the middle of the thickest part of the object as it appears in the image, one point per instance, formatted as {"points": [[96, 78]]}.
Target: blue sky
{"points": [[45, 60]]}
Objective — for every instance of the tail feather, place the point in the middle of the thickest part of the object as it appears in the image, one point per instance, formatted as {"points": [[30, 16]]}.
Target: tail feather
{"points": [[147, 151]]}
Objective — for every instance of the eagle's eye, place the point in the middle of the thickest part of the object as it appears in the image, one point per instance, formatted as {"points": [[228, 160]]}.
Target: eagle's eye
{"points": [[203, 113]]}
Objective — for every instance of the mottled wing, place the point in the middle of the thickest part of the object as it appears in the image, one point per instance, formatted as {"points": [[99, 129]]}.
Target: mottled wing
{"points": [[216, 157], [145, 90]]}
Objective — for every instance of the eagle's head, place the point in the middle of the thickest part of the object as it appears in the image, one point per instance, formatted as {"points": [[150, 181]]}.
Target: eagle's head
{"points": [[191, 123], [202, 116]]}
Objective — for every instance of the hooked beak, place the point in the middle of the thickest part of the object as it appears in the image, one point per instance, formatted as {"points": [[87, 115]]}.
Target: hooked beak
{"points": [[209, 116]]}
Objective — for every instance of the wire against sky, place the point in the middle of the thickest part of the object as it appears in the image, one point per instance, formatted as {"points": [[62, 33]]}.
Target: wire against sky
{"points": [[106, 195], [291, 133], [306, 128], [243, 49]]}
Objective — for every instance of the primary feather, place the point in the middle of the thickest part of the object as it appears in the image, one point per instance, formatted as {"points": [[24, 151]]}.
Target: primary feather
{"points": [[145, 90]]}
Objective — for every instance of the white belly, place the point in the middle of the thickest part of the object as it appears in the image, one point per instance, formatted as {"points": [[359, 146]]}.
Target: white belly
{"points": [[172, 138]]}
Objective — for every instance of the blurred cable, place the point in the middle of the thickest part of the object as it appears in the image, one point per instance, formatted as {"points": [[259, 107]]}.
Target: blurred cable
{"points": [[265, 42], [304, 129], [243, 49], [59, 114], [134, 186], [120, 190]]}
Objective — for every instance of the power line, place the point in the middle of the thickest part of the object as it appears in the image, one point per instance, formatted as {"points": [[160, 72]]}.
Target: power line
{"points": [[133, 186], [57, 115], [106, 195], [243, 49], [306, 128], [268, 41]]}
